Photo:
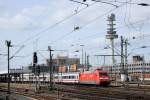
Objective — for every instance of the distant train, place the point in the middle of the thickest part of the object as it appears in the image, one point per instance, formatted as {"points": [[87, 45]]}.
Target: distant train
{"points": [[97, 77]]}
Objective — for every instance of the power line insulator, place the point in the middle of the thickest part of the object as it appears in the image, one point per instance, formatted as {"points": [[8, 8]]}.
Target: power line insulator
{"points": [[143, 4], [76, 28]]}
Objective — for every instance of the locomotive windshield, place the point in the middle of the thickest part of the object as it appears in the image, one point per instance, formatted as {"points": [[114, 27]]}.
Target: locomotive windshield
{"points": [[103, 74]]}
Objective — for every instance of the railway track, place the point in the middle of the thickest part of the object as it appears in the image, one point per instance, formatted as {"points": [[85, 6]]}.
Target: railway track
{"points": [[98, 93], [66, 92], [28, 93]]}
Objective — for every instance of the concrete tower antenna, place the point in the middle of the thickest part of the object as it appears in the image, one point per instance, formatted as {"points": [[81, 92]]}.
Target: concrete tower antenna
{"points": [[111, 34]]}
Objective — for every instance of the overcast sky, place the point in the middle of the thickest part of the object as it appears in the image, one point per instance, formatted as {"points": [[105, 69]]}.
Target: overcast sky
{"points": [[33, 25]]}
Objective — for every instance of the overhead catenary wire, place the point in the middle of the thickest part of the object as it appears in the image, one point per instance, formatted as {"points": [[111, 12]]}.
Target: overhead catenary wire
{"points": [[57, 23], [96, 33], [49, 27], [14, 55], [126, 24], [52, 26], [127, 2], [60, 37], [86, 38], [42, 55], [79, 2], [129, 17], [133, 23], [88, 23], [105, 2], [81, 27], [129, 38]]}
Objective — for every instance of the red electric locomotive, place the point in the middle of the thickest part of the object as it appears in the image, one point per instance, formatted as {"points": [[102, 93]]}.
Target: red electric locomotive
{"points": [[98, 77]]}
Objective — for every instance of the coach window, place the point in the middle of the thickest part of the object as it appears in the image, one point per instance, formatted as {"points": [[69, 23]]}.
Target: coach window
{"points": [[73, 77], [56, 77], [64, 77], [67, 77]]}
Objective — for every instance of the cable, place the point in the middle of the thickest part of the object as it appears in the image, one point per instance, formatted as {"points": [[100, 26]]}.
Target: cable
{"points": [[79, 2], [57, 23], [146, 35], [65, 20], [141, 4], [17, 52], [125, 24], [54, 25], [60, 38], [42, 55], [105, 2], [125, 16], [88, 37]]}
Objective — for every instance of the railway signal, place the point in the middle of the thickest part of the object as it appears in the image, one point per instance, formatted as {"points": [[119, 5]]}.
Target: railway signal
{"points": [[50, 67], [35, 71], [35, 60]]}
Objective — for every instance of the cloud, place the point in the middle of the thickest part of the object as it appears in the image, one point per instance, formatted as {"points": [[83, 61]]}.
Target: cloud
{"points": [[37, 16], [28, 18], [35, 10], [41, 16], [16, 22]]}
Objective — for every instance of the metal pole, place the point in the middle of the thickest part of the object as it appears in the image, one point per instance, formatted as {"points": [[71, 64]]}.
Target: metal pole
{"points": [[82, 57], [122, 61], [22, 74], [113, 58], [88, 62], [85, 65], [50, 67], [35, 60], [122, 55], [8, 43], [143, 69], [126, 59], [8, 72], [35, 75], [43, 78]]}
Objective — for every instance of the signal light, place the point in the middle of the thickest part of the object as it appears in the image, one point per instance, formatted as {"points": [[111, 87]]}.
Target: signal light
{"points": [[35, 60]]}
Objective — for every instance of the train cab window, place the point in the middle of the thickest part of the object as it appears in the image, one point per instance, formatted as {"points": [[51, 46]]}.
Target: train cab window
{"points": [[103, 74]]}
